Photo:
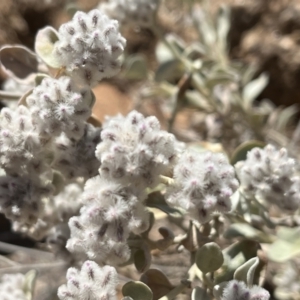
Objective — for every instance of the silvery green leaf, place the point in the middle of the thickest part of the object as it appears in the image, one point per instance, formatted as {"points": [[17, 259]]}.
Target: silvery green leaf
{"points": [[157, 282], [29, 282], [285, 117], [209, 258], [247, 73], [167, 240], [236, 255], [212, 82], [199, 293], [135, 67], [137, 290], [281, 251], [240, 153], [246, 272], [44, 46], [142, 259], [170, 71], [18, 61], [195, 51], [254, 89], [286, 246], [207, 30], [247, 231], [223, 27], [39, 78], [195, 100], [177, 42], [163, 53]]}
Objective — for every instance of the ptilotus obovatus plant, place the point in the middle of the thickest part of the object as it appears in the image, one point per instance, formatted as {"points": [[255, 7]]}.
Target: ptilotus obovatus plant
{"points": [[89, 189]]}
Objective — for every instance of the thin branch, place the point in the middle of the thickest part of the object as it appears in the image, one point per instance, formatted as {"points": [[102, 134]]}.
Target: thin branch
{"points": [[39, 267], [9, 248], [9, 95]]}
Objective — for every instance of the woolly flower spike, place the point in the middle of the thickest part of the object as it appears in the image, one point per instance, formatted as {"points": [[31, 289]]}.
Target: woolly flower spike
{"points": [[237, 290], [20, 199], [19, 143], [11, 287], [90, 283], [77, 158], [136, 12], [135, 151], [55, 210], [57, 107], [203, 184], [270, 175], [109, 214], [89, 47]]}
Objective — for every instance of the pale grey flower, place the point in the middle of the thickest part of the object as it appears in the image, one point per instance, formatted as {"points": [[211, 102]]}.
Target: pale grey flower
{"points": [[270, 175], [204, 183], [89, 47], [90, 283]]}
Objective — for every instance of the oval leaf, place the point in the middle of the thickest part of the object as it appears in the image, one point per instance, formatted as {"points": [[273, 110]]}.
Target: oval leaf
{"points": [[29, 282], [44, 45], [254, 89], [209, 258], [142, 259], [136, 68], [170, 71], [158, 282], [18, 61], [247, 231], [240, 153], [137, 290], [246, 271]]}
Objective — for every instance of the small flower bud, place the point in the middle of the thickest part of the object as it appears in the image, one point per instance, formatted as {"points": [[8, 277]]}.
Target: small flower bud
{"points": [[204, 183], [270, 175], [89, 47], [57, 107], [90, 283]]}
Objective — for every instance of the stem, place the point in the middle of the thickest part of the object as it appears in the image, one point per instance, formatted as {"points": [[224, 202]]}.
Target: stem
{"points": [[207, 282], [9, 95], [9, 248], [183, 85], [177, 290], [41, 266]]}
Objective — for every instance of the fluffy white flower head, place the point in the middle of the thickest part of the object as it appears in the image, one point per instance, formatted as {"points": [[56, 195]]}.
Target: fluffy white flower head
{"points": [[56, 107], [11, 287], [20, 198], [203, 184], [237, 290], [110, 212], [77, 158], [270, 175], [90, 283], [19, 143], [135, 12], [135, 151], [89, 47]]}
